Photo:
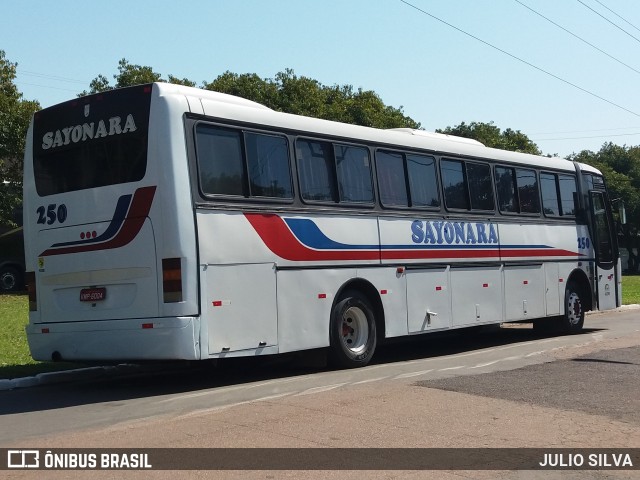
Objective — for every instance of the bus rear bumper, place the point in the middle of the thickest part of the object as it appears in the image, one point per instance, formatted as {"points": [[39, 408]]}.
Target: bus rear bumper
{"points": [[174, 338]]}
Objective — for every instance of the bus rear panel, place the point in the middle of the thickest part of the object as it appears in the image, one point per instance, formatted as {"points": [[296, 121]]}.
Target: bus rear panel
{"points": [[106, 283]]}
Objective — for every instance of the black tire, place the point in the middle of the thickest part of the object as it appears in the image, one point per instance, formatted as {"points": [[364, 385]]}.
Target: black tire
{"points": [[10, 279], [352, 331], [573, 318]]}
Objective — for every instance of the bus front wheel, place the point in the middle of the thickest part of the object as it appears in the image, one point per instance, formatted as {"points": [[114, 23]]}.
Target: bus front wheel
{"points": [[352, 331], [573, 319]]}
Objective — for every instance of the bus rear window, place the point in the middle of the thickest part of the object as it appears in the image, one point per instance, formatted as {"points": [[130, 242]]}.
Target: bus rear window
{"points": [[92, 142]]}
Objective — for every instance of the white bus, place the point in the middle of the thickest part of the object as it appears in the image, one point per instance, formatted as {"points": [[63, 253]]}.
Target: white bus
{"points": [[166, 222]]}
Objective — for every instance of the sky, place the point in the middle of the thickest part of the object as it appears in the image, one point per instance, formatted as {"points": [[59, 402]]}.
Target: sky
{"points": [[477, 60]]}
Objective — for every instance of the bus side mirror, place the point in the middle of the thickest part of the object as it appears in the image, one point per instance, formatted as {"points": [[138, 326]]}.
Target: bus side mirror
{"points": [[622, 213]]}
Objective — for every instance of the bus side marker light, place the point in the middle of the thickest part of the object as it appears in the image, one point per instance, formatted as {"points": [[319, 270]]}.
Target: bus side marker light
{"points": [[322, 295], [146, 326], [45, 330], [485, 285], [384, 292], [220, 303], [561, 280], [438, 289], [525, 282]]}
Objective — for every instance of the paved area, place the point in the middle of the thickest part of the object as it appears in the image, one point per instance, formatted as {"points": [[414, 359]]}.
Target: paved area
{"points": [[587, 398], [603, 383]]}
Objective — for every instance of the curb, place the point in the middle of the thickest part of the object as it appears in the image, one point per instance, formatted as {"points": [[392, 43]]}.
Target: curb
{"points": [[50, 378], [623, 308], [90, 373]]}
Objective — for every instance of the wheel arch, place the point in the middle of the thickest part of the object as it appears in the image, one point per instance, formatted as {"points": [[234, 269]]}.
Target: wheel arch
{"points": [[368, 290]]}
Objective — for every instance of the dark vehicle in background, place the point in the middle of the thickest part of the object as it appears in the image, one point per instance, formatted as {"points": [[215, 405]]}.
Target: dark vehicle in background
{"points": [[11, 260]]}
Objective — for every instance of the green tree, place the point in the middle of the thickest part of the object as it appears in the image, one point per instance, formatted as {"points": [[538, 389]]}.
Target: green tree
{"points": [[129, 75], [287, 92], [15, 115], [492, 136], [301, 95], [620, 166]]}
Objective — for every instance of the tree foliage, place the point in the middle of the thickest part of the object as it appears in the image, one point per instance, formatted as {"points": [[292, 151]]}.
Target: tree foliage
{"points": [[287, 92], [492, 136], [129, 75], [621, 169], [15, 115]]}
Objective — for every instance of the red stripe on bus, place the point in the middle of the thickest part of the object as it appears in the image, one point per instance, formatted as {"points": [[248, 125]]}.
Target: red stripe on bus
{"points": [[280, 240]]}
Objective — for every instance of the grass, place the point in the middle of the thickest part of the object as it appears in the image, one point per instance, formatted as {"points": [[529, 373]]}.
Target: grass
{"points": [[630, 289], [15, 360]]}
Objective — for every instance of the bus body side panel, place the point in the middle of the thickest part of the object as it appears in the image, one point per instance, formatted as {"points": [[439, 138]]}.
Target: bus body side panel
{"points": [[238, 287], [538, 262], [443, 289], [305, 298], [240, 254], [429, 299], [552, 288]]}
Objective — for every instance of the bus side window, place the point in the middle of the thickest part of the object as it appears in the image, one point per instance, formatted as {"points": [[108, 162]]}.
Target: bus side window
{"points": [[453, 184], [506, 186], [316, 169], [220, 160], [528, 191], [423, 184], [391, 179], [480, 189], [550, 202], [353, 168], [268, 166], [568, 190]]}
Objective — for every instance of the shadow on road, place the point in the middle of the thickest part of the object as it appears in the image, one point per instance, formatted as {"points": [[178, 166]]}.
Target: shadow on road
{"points": [[159, 379]]}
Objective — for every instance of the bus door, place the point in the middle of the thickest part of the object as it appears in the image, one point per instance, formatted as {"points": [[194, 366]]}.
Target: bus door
{"points": [[605, 252]]}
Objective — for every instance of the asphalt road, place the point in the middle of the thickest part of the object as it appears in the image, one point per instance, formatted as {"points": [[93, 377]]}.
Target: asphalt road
{"points": [[505, 388]]}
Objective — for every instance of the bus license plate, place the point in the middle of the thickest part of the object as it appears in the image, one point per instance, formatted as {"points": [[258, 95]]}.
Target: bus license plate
{"points": [[93, 294]]}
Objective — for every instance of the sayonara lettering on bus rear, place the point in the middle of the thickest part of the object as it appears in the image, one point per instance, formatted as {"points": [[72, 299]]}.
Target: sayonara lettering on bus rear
{"points": [[88, 131], [453, 233]]}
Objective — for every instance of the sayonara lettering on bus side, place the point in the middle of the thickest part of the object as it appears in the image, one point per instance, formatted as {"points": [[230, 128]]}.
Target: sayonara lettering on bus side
{"points": [[453, 232], [88, 131]]}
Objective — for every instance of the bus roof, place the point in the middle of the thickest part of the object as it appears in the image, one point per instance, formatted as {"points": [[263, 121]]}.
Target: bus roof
{"points": [[230, 107]]}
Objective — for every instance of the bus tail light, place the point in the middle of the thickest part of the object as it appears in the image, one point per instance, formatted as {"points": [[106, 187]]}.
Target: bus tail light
{"points": [[30, 280], [172, 280]]}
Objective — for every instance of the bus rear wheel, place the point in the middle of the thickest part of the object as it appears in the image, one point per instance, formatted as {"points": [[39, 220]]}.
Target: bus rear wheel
{"points": [[352, 331]]}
